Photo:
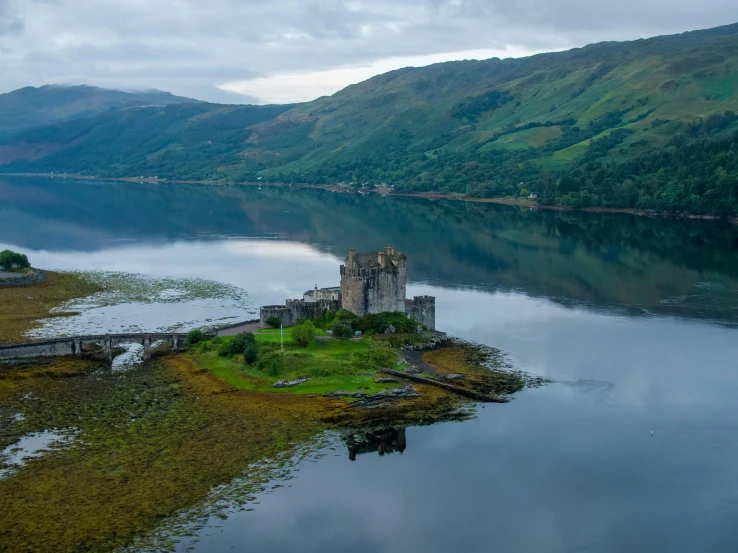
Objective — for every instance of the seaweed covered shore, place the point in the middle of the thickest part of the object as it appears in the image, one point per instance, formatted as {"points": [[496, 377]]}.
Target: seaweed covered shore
{"points": [[151, 441], [134, 458]]}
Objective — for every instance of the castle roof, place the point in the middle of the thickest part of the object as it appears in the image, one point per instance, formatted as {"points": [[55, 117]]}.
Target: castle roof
{"points": [[370, 260]]}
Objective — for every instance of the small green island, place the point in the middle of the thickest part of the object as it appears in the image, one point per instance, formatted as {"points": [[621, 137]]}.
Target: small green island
{"points": [[355, 359], [218, 406], [362, 342]]}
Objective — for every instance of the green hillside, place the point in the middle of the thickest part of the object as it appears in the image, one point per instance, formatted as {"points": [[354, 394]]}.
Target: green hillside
{"points": [[30, 107], [647, 123]]}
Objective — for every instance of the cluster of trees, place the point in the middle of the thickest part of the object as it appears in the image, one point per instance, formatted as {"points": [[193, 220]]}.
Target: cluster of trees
{"points": [[471, 108], [696, 173], [11, 260], [344, 323]]}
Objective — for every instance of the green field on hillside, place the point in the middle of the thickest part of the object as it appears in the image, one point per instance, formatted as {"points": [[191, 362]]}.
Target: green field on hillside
{"points": [[645, 124]]}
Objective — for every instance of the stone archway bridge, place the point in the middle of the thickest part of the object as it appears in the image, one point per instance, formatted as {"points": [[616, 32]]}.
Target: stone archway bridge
{"points": [[72, 346]]}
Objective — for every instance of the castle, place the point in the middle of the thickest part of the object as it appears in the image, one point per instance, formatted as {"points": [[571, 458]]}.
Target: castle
{"points": [[371, 282]]}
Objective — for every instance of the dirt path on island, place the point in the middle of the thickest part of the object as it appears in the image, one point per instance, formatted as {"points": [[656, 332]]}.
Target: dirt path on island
{"points": [[246, 327]]}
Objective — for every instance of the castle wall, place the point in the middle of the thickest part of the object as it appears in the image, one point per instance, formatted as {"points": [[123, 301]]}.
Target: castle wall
{"points": [[296, 310], [423, 310], [376, 290], [353, 296], [384, 292], [369, 285], [300, 309], [281, 311]]}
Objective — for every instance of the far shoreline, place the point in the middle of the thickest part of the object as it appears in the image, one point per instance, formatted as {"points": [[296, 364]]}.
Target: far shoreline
{"points": [[531, 204]]}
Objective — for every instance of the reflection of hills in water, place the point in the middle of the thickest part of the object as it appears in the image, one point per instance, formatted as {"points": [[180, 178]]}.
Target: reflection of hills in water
{"points": [[681, 267], [389, 440]]}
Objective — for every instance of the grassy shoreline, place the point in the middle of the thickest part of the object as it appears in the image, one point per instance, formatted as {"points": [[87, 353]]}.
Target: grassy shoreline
{"points": [[150, 443], [154, 441], [23, 308], [451, 196]]}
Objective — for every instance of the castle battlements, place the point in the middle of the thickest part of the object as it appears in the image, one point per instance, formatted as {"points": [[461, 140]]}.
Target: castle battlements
{"points": [[371, 282]]}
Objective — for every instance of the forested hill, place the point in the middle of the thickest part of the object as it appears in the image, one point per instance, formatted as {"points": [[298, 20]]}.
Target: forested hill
{"points": [[647, 123], [31, 106]]}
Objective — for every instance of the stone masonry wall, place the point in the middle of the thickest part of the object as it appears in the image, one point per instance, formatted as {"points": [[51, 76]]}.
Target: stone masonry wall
{"points": [[384, 292], [376, 290], [353, 297], [422, 309], [282, 312], [38, 275], [295, 310]]}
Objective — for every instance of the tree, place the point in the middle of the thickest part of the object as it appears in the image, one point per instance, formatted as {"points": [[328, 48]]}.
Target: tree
{"points": [[303, 333], [12, 260], [274, 367], [250, 353], [342, 330], [273, 321], [239, 343], [194, 336]]}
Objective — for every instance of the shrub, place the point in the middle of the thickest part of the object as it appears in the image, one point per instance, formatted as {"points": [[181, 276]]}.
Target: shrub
{"points": [[250, 353], [274, 367], [303, 333], [326, 320], [194, 336], [342, 330], [12, 260], [239, 343], [273, 321], [345, 316], [380, 322]]}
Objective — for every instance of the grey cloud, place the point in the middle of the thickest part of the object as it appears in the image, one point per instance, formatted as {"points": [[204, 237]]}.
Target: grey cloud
{"points": [[10, 23], [190, 47]]}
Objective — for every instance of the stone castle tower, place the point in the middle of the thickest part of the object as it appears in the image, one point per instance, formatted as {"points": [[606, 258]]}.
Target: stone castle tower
{"points": [[373, 282]]}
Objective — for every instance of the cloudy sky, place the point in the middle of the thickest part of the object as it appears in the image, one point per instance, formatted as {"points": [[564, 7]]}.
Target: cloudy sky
{"points": [[293, 50]]}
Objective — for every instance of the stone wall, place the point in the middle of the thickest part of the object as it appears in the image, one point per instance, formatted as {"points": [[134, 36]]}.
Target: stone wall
{"points": [[35, 277], [296, 310], [61, 347], [353, 285], [46, 348], [280, 311], [374, 290], [423, 310]]}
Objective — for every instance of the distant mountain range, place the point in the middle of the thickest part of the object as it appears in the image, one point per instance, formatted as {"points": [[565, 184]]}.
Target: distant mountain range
{"points": [[646, 123], [33, 107]]}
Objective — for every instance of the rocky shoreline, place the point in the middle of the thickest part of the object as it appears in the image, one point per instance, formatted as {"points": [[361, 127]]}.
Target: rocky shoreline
{"points": [[36, 276]]}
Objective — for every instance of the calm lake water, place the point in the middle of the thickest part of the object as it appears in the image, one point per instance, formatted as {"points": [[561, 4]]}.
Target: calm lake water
{"points": [[633, 447]]}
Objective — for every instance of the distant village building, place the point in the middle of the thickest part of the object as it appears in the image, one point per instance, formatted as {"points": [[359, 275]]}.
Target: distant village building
{"points": [[371, 282], [533, 196]]}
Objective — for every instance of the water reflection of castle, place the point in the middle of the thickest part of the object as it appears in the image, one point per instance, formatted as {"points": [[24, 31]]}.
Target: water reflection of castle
{"points": [[381, 441]]}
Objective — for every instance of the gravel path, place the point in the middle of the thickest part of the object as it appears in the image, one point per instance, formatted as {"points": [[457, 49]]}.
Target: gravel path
{"points": [[248, 327]]}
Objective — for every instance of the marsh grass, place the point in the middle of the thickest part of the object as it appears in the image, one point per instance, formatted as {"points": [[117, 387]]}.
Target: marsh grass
{"points": [[148, 443], [24, 308], [158, 449], [485, 368]]}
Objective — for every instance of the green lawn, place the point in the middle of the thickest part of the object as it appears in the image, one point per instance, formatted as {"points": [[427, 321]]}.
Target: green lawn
{"points": [[330, 364], [273, 335]]}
